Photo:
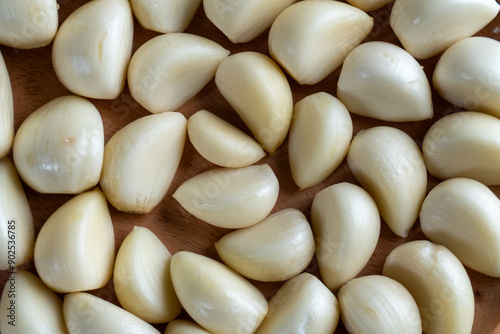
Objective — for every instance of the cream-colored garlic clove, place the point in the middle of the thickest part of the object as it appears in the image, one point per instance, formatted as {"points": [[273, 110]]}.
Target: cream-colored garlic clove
{"points": [[310, 39], [222, 143], [378, 304], [75, 248], [427, 28], [140, 161], [242, 21], [320, 134], [28, 24], [216, 297], [346, 226], [6, 110], [382, 81], [92, 48], [230, 198], [59, 147], [389, 165], [28, 306], [169, 69], [259, 92], [369, 5], [17, 233], [467, 75], [278, 248], [438, 282], [86, 313], [180, 326], [303, 305], [165, 16], [464, 144]]}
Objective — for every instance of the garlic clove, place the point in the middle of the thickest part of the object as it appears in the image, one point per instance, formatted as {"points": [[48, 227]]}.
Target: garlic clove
{"points": [[217, 298], [140, 161], [92, 49], [222, 143], [369, 5], [180, 326], [320, 134], [346, 226], [427, 28], [438, 282], [230, 198], [259, 92], [310, 39], [278, 248], [169, 69], [382, 81], [75, 248], [6, 110], [389, 165]]}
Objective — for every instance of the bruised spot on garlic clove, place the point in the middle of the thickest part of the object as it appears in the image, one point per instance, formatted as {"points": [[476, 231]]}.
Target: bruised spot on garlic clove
{"points": [[6, 110]]}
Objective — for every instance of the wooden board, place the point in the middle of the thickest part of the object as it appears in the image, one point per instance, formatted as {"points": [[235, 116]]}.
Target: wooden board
{"points": [[34, 84]]}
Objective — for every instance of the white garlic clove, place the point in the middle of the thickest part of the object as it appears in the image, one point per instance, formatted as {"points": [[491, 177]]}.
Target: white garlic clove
{"points": [[230, 198], [259, 92], [140, 161], [438, 282], [92, 49], [59, 147], [369, 5], [320, 134], [278, 248], [75, 248], [180, 326], [310, 39], [222, 143], [216, 297], [346, 226], [382, 81], [6, 110], [389, 165], [169, 69], [427, 28]]}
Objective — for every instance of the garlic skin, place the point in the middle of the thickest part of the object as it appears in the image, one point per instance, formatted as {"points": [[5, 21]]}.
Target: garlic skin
{"points": [[310, 39], [59, 147], [35, 308], [140, 161], [260, 94], [92, 49], [389, 165], [75, 248], [346, 227], [438, 282], [170, 69], [222, 143], [278, 248], [180, 326], [382, 81], [369, 5], [217, 298], [427, 27], [230, 198], [6, 110]]}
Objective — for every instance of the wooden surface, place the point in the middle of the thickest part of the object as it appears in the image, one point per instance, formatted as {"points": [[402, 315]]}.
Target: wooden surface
{"points": [[34, 84]]}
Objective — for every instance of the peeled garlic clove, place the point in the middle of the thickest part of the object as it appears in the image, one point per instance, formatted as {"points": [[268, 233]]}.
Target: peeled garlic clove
{"points": [[319, 138], [86, 313], [75, 248], [302, 305], [378, 304], [369, 5], [92, 48], [383, 81], [168, 70], [59, 147], [6, 110], [259, 92], [438, 282], [427, 28], [346, 226], [310, 39], [278, 248], [216, 297], [389, 165], [140, 161], [28, 306], [180, 326], [222, 143], [230, 198]]}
